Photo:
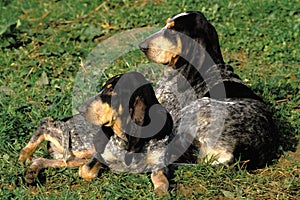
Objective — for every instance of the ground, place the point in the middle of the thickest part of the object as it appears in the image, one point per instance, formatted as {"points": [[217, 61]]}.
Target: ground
{"points": [[43, 45]]}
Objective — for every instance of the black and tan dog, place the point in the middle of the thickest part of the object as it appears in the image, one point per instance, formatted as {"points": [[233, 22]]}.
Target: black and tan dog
{"points": [[137, 125], [123, 127], [211, 107]]}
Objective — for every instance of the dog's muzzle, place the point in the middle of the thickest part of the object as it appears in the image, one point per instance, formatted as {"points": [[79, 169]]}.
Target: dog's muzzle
{"points": [[144, 46]]}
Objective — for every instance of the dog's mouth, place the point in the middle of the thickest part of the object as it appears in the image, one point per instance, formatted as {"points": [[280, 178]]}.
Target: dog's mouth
{"points": [[116, 124], [106, 123], [173, 60]]}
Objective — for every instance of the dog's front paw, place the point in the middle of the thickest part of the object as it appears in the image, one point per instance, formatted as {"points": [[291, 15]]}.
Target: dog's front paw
{"points": [[160, 182], [88, 173]]}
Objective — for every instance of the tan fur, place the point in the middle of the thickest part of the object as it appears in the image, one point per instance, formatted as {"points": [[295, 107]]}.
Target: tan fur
{"points": [[88, 174], [41, 163], [160, 182], [117, 124], [84, 153], [29, 149], [100, 113], [171, 24], [139, 111], [163, 51]]}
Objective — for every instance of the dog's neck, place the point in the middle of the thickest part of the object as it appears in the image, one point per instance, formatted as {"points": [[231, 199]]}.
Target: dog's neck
{"points": [[194, 72], [209, 79]]}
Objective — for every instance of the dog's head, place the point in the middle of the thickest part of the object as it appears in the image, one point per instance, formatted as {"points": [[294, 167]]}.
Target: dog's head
{"points": [[124, 104], [174, 40]]}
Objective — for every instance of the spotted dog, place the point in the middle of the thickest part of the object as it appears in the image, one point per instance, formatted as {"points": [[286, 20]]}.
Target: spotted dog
{"points": [[217, 115], [123, 127], [136, 128]]}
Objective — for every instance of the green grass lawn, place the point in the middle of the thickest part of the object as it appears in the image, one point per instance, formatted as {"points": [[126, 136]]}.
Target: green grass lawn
{"points": [[43, 45]]}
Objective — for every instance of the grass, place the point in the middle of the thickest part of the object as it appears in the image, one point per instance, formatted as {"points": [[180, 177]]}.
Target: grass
{"points": [[43, 44]]}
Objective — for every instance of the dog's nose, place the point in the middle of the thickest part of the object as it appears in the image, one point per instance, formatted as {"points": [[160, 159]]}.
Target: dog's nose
{"points": [[143, 46]]}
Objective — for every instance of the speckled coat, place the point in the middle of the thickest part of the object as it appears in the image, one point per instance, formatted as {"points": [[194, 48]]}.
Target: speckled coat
{"points": [[216, 116]]}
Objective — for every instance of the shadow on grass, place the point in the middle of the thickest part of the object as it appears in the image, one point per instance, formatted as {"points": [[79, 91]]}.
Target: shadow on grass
{"points": [[287, 134], [281, 108]]}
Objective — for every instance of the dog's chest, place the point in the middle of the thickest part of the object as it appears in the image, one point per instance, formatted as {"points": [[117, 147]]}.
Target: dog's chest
{"points": [[118, 159], [173, 92]]}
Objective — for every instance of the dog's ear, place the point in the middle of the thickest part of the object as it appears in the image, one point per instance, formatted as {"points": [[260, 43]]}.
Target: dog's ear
{"points": [[132, 90], [195, 25], [214, 44], [208, 33]]}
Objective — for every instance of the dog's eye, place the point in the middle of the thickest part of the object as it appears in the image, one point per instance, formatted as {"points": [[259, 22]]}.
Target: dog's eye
{"points": [[111, 91], [109, 88]]}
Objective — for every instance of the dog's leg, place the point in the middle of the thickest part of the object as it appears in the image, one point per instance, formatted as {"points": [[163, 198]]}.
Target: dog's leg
{"points": [[30, 148], [160, 182], [46, 131], [41, 163], [35, 141], [90, 170]]}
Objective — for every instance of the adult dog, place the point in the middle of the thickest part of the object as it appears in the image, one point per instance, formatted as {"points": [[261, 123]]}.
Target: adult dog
{"points": [[212, 109], [123, 127]]}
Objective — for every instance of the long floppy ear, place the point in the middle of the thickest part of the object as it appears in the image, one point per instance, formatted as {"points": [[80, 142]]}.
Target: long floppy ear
{"points": [[155, 119], [214, 41], [210, 36], [138, 111]]}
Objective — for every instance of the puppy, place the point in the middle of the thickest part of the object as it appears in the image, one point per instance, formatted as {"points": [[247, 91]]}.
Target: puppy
{"points": [[123, 127], [216, 115], [136, 128]]}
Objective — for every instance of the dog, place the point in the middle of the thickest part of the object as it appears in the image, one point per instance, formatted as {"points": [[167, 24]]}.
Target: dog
{"points": [[123, 127], [138, 126], [216, 115]]}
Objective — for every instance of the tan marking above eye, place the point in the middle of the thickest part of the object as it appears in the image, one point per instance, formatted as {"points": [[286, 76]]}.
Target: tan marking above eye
{"points": [[171, 24], [109, 86]]}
